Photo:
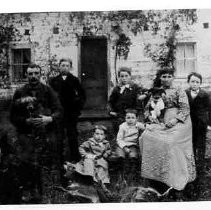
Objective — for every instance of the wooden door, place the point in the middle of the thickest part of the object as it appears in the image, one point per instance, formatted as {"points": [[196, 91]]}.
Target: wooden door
{"points": [[94, 72]]}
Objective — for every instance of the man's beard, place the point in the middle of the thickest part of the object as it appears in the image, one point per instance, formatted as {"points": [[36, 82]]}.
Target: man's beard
{"points": [[33, 82], [64, 72]]}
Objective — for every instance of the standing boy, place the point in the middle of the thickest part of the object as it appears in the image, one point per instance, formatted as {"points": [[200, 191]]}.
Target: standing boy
{"points": [[72, 97], [199, 104]]}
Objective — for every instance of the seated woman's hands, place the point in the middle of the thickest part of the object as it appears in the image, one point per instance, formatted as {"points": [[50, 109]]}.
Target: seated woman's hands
{"points": [[153, 120], [160, 126], [90, 156], [171, 123], [126, 150], [140, 126], [150, 127]]}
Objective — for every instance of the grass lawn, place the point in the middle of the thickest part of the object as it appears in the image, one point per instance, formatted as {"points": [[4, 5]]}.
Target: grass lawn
{"points": [[121, 190]]}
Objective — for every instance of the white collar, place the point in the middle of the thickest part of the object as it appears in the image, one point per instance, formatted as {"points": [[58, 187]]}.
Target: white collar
{"points": [[160, 104], [195, 91], [123, 87], [64, 77], [127, 86]]}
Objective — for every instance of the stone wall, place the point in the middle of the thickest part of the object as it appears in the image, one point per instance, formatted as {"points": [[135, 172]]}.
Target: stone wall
{"points": [[58, 34]]}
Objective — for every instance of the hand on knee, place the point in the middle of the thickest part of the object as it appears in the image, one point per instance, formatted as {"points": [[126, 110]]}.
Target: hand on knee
{"points": [[133, 155]]}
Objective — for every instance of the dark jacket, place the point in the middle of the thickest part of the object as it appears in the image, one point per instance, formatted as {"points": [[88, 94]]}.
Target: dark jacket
{"points": [[119, 102], [71, 94], [46, 103], [199, 106]]}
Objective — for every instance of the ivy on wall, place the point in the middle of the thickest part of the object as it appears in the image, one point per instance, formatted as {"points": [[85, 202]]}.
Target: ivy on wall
{"points": [[164, 24], [163, 54], [119, 26], [7, 34]]}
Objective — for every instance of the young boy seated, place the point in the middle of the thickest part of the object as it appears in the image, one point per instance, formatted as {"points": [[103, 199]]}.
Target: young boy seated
{"points": [[127, 140]]}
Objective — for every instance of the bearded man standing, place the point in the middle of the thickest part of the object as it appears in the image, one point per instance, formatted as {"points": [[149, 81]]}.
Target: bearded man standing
{"points": [[35, 112]]}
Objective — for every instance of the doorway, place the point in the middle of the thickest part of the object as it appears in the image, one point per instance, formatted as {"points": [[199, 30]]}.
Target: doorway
{"points": [[94, 72]]}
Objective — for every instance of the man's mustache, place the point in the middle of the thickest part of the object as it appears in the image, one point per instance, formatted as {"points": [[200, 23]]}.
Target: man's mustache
{"points": [[33, 79]]}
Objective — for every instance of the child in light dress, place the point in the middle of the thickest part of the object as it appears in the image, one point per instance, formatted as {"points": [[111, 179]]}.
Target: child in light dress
{"points": [[94, 153]]}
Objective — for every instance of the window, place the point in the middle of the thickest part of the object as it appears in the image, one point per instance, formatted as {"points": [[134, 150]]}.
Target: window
{"points": [[21, 58], [185, 58], [206, 25]]}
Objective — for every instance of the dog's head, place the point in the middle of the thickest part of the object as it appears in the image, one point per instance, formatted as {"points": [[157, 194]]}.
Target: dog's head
{"points": [[69, 169]]}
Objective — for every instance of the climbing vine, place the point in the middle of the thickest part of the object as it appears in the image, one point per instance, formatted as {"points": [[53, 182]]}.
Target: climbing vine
{"points": [[164, 24], [7, 34], [163, 54], [120, 26]]}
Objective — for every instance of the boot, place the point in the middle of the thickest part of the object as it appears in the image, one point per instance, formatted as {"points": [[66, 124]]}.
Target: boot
{"points": [[133, 172], [121, 178]]}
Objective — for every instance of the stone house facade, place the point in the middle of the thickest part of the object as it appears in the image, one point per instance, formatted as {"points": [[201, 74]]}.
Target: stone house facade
{"points": [[87, 38]]}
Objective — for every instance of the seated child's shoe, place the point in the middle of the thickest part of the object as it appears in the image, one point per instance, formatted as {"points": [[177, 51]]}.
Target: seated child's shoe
{"points": [[132, 172], [26, 196]]}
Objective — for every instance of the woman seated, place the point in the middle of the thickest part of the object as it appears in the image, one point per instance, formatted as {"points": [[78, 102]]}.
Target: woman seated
{"points": [[167, 153]]}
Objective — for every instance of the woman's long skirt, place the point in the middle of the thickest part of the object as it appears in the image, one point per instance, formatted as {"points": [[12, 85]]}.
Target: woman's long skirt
{"points": [[167, 153]]}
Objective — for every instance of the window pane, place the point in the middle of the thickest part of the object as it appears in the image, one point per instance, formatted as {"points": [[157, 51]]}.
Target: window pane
{"points": [[180, 67], [185, 58], [24, 68], [189, 51], [180, 52], [17, 56], [26, 55], [189, 65], [21, 60], [17, 72]]}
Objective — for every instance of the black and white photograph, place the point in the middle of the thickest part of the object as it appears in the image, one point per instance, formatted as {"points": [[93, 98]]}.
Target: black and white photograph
{"points": [[105, 106]]}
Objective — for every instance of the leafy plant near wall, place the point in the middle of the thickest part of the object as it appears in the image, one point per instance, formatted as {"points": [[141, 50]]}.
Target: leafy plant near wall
{"points": [[122, 48], [121, 24], [53, 70], [163, 54], [7, 34], [121, 45], [163, 23]]}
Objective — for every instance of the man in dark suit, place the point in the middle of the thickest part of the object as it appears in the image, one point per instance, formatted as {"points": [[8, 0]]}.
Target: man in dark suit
{"points": [[72, 97], [35, 113], [199, 104]]}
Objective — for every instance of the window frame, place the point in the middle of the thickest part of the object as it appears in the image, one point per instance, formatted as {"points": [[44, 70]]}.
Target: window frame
{"points": [[14, 46], [180, 74], [13, 64]]}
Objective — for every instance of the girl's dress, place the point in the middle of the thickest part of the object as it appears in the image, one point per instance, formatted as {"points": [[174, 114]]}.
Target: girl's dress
{"points": [[167, 154], [97, 168]]}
